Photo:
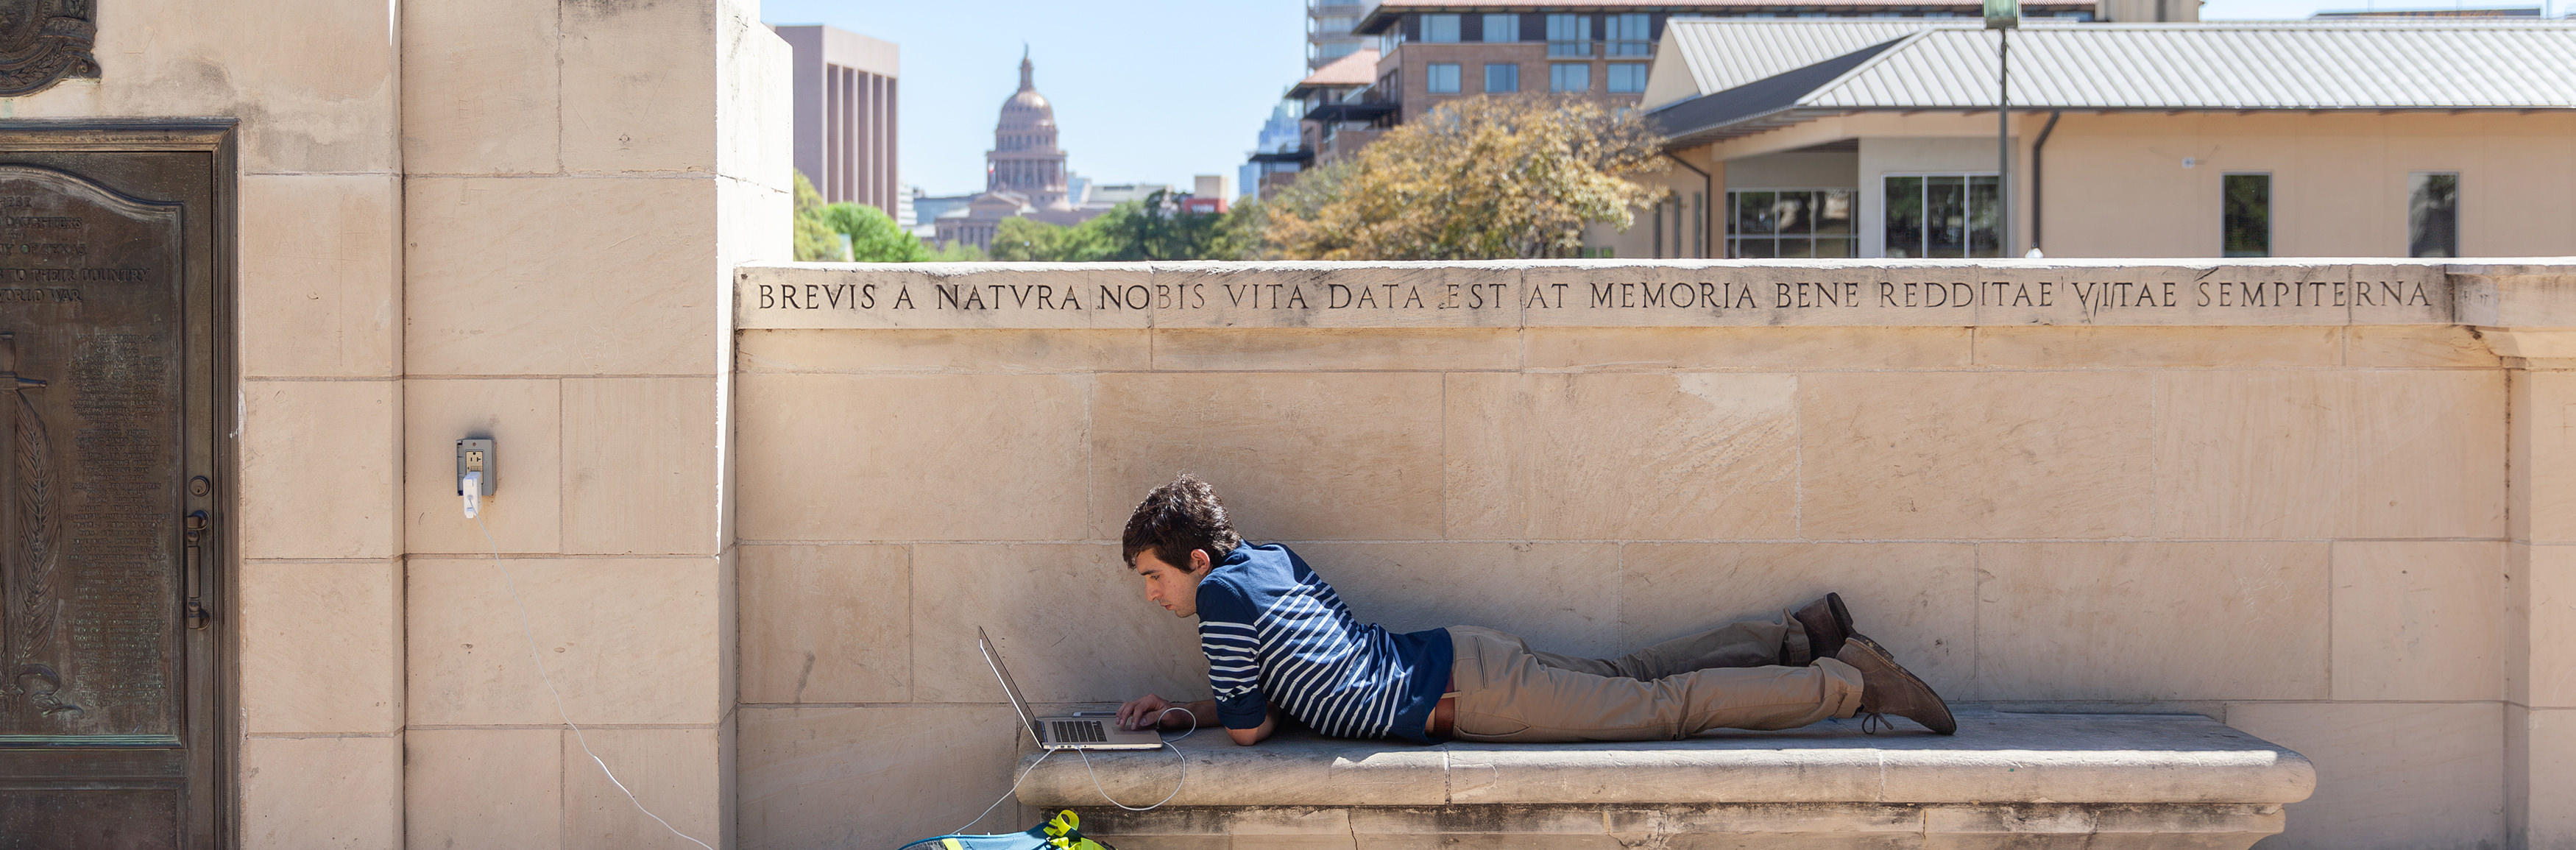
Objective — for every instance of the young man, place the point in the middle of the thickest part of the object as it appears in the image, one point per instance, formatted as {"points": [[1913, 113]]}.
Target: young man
{"points": [[1279, 642]]}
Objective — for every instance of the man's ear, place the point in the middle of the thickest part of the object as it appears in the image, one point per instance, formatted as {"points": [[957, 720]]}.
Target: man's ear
{"points": [[1199, 563]]}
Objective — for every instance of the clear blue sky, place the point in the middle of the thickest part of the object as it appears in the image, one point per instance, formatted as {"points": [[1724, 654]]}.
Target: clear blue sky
{"points": [[1147, 90]]}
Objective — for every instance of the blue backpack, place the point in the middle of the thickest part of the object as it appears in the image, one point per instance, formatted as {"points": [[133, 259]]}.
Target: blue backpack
{"points": [[1062, 832]]}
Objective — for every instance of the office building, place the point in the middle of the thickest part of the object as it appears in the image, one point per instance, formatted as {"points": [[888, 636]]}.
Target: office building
{"points": [[844, 86]]}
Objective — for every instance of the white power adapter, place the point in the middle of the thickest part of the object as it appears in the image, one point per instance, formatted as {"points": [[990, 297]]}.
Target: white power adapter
{"points": [[474, 478]]}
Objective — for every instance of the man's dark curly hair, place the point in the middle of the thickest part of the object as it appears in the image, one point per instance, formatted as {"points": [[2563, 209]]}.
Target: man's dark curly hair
{"points": [[1176, 518]]}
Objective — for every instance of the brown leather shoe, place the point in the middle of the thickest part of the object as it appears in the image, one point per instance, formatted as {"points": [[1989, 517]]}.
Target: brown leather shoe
{"points": [[1828, 625], [1889, 689]]}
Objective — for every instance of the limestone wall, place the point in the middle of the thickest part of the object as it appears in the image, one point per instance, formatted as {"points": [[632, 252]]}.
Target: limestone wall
{"points": [[507, 218], [2274, 494]]}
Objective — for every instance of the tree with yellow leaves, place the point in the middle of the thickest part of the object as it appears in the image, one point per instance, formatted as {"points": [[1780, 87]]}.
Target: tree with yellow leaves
{"points": [[1474, 179]]}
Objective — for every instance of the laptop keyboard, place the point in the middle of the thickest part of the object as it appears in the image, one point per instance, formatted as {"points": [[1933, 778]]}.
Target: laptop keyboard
{"points": [[1079, 732]]}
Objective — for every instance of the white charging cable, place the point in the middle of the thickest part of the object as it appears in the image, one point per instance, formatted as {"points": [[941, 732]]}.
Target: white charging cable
{"points": [[473, 489], [471, 486], [1095, 777]]}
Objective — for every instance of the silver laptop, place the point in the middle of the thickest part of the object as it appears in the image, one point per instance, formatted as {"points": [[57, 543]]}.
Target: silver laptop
{"points": [[1070, 732]]}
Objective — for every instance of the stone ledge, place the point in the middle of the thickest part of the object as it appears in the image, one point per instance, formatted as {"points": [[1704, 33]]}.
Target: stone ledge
{"points": [[1997, 758], [2021, 826]]}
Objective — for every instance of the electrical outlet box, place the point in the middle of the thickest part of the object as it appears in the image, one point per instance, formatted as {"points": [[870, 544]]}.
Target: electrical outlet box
{"points": [[476, 456]]}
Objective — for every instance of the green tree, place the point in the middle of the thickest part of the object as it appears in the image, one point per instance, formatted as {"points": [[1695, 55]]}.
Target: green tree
{"points": [[815, 241], [1480, 178], [1152, 229], [874, 237]]}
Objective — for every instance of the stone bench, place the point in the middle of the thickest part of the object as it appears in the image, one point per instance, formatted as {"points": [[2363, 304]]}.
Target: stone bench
{"points": [[2006, 780]]}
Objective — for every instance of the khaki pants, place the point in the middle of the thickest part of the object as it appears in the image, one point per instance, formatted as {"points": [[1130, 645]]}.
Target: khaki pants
{"points": [[1729, 677]]}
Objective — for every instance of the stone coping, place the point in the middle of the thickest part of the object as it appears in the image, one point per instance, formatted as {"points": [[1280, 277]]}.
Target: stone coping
{"points": [[1661, 293], [1997, 757]]}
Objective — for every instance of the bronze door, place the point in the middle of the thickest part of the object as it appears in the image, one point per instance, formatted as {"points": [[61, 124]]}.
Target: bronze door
{"points": [[111, 489]]}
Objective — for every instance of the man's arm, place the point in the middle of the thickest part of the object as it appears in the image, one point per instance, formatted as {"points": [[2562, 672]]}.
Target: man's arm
{"points": [[1254, 735]]}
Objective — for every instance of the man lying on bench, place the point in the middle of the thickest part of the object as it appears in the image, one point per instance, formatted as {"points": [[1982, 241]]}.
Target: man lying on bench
{"points": [[1278, 640]]}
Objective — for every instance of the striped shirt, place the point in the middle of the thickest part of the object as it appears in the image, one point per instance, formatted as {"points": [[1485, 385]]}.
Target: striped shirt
{"points": [[1275, 634]]}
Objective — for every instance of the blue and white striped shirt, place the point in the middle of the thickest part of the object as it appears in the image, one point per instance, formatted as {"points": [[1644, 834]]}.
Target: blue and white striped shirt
{"points": [[1273, 631]]}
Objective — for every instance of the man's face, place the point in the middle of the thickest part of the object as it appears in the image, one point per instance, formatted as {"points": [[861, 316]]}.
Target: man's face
{"points": [[1174, 588]]}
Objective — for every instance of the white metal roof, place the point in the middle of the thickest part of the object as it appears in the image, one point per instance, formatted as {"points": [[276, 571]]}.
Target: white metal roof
{"points": [[2361, 64], [1722, 54]]}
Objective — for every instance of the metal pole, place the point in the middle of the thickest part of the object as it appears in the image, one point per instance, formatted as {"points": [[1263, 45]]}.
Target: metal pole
{"points": [[2003, 143]]}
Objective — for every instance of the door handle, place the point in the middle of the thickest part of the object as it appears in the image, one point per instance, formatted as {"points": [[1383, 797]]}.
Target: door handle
{"points": [[196, 611]]}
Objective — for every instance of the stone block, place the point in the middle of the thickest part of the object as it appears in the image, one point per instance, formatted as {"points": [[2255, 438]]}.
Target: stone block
{"points": [[626, 105], [1330, 295], [491, 289], [284, 782], [2075, 347], [480, 81], [485, 788], [2390, 775], [1009, 351], [1364, 349], [677, 774], [913, 458], [922, 770], [1107, 645], [640, 466], [1917, 599], [1366, 449], [2541, 663], [2152, 621], [978, 296], [1561, 597], [1774, 349], [2416, 347], [1692, 456], [318, 96], [524, 419], [755, 102], [321, 646], [2547, 796], [826, 623], [2544, 497], [619, 656], [2418, 620], [2325, 454], [319, 478], [1967, 455], [319, 283]]}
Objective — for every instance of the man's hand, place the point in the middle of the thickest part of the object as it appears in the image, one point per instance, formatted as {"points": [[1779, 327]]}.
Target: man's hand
{"points": [[1137, 713]]}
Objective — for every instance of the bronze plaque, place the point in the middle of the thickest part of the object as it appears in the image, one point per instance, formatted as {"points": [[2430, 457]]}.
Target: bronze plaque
{"points": [[109, 498], [44, 41], [89, 495]]}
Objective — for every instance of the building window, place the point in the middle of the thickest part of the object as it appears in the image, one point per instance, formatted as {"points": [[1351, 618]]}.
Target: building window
{"points": [[1502, 27], [1332, 25], [1387, 41], [1626, 77], [2433, 214], [1790, 222], [1943, 215], [1629, 35], [1440, 78], [1439, 29], [2245, 215], [1502, 78], [1569, 35], [1336, 49], [1569, 77]]}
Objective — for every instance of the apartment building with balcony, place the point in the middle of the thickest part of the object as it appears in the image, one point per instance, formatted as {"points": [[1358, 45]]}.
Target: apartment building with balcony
{"points": [[1328, 30], [1429, 52]]}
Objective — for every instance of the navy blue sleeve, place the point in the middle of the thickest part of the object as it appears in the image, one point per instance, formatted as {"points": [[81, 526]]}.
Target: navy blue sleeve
{"points": [[1233, 656]]}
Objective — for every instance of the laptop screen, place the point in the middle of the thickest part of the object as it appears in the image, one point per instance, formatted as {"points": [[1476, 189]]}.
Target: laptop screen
{"points": [[993, 656]]}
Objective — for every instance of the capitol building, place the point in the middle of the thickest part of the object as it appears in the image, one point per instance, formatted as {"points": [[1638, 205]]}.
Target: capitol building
{"points": [[1025, 175]]}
